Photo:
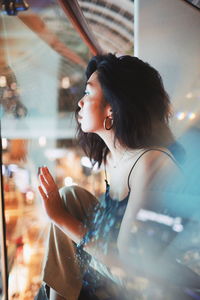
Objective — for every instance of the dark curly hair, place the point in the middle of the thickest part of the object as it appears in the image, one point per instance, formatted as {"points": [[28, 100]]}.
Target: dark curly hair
{"points": [[140, 105]]}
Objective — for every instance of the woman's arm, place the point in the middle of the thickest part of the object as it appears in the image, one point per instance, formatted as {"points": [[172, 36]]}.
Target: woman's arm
{"points": [[150, 182], [151, 179]]}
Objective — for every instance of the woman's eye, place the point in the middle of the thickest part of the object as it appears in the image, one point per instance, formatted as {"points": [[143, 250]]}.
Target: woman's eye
{"points": [[86, 93]]}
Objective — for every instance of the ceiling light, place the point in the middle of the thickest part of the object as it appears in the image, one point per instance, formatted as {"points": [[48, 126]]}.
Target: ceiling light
{"points": [[42, 141], [189, 95], [4, 143], [65, 83]]}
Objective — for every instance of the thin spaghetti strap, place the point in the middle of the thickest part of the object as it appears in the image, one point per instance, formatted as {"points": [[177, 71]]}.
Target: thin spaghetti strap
{"points": [[106, 177], [129, 175]]}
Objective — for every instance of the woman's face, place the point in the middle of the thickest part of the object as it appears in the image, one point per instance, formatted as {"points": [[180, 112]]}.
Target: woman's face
{"points": [[93, 108]]}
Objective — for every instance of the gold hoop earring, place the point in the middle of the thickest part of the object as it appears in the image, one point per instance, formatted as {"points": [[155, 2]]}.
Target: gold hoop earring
{"points": [[106, 125]]}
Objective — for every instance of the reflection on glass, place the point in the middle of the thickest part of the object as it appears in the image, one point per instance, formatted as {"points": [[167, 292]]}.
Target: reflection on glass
{"points": [[39, 89], [26, 224]]}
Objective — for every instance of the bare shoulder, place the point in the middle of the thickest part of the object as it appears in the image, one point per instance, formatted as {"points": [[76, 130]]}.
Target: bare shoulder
{"points": [[155, 164], [160, 157]]}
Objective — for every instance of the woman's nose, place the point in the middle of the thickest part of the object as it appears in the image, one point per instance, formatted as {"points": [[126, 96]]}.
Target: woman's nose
{"points": [[80, 103]]}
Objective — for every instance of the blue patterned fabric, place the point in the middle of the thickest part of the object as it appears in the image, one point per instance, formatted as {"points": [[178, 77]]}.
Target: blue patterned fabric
{"points": [[104, 229]]}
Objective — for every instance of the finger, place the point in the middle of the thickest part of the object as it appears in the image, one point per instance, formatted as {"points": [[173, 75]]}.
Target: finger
{"points": [[44, 196], [48, 176], [44, 183]]}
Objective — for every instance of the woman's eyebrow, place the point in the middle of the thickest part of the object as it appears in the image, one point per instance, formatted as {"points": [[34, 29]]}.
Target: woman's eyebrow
{"points": [[89, 83]]}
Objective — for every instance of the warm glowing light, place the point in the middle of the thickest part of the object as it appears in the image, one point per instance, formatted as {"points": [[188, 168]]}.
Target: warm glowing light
{"points": [[65, 83], [180, 116], [191, 116], [27, 253], [85, 161], [189, 95], [3, 169], [42, 141], [68, 181], [7, 217], [3, 81], [4, 143], [18, 279], [29, 197]]}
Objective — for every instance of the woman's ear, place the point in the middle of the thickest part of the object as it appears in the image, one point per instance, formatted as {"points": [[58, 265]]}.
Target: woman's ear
{"points": [[109, 112]]}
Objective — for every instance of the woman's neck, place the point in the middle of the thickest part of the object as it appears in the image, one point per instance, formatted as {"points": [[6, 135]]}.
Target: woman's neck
{"points": [[115, 147], [117, 151]]}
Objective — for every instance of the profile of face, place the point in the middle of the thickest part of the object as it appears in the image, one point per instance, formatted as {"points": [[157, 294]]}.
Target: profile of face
{"points": [[93, 108]]}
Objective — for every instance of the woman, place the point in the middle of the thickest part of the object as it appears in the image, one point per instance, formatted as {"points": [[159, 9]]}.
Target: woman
{"points": [[123, 124]]}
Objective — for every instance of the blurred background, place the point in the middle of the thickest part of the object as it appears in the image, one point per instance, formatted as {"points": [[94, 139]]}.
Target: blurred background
{"points": [[43, 55]]}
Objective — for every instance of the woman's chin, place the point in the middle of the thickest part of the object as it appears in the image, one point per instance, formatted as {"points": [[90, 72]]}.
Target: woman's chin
{"points": [[85, 129], [88, 128]]}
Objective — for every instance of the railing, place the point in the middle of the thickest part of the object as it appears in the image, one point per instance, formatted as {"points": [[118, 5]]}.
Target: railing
{"points": [[74, 13]]}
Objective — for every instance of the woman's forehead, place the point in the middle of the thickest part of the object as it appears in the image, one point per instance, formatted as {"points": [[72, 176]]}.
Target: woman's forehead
{"points": [[93, 79]]}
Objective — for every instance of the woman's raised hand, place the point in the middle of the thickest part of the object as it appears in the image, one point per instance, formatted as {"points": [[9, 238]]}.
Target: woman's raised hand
{"points": [[50, 195]]}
